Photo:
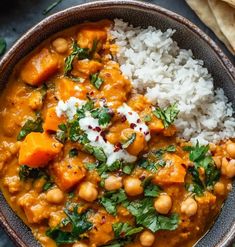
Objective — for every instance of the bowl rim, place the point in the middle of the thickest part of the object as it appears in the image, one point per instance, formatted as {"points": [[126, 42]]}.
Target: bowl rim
{"points": [[225, 62]]}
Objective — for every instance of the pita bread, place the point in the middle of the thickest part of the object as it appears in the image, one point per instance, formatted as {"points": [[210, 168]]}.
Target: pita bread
{"points": [[230, 2], [203, 11], [225, 17]]}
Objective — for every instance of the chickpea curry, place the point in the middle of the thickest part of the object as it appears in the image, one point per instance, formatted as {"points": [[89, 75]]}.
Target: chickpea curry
{"points": [[87, 161]]}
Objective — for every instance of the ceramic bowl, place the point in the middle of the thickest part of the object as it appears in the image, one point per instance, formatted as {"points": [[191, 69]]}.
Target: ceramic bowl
{"points": [[141, 14]]}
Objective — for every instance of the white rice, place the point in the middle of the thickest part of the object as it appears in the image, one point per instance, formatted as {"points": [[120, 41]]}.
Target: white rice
{"points": [[166, 74]]}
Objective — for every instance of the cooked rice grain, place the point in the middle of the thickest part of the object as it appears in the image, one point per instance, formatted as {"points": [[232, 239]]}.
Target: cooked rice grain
{"points": [[156, 66]]}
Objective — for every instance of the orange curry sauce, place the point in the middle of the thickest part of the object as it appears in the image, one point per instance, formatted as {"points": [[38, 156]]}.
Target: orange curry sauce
{"points": [[61, 185]]}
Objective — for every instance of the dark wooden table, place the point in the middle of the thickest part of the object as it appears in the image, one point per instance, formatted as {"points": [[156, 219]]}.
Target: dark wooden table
{"points": [[17, 16]]}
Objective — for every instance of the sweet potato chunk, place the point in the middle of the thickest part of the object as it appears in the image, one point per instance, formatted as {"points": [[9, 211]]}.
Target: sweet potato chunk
{"points": [[52, 120], [68, 172], [39, 67], [86, 67], [38, 149], [88, 35], [67, 88], [174, 172]]}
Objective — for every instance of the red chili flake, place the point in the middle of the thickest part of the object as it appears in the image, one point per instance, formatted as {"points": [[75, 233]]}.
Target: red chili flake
{"points": [[97, 128], [102, 133], [103, 220], [130, 113], [122, 234], [142, 177], [90, 127], [140, 129], [91, 92], [138, 120], [97, 138], [132, 125], [123, 119], [107, 74], [117, 147], [146, 133]]}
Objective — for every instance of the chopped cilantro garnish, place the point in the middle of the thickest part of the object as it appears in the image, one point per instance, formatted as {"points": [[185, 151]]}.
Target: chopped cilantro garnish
{"points": [[129, 141], [80, 53], [103, 114], [79, 225], [30, 126], [96, 81], [110, 200], [146, 215], [199, 155], [167, 115]]}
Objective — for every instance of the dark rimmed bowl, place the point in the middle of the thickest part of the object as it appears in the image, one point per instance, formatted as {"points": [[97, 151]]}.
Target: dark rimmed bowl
{"points": [[142, 14]]}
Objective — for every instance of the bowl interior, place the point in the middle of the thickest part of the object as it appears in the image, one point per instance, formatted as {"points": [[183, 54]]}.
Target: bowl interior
{"points": [[138, 14]]}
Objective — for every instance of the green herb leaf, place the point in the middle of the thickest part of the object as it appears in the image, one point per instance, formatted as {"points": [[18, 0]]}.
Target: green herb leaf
{"points": [[96, 81], [110, 200], [145, 215], [103, 114], [79, 224], [201, 158], [80, 53], [27, 172], [167, 115], [48, 185], [73, 152], [30, 126], [52, 6], [147, 118], [3, 46], [152, 190], [123, 230], [130, 140]]}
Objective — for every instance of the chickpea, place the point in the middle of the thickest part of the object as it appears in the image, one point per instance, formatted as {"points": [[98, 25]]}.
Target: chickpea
{"points": [[133, 186], [229, 169], [80, 244], [60, 45], [219, 188], [217, 160], [113, 183], [147, 238], [231, 149], [189, 207], [88, 191], [55, 196], [163, 204]]}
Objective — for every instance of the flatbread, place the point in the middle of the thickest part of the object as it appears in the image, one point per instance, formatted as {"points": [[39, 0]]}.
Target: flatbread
{"points": [[203, 11], [230, 2], [225, 17]]}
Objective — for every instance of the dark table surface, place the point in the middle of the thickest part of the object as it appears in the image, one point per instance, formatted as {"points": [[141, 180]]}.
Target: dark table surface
{"points": [[17, 16]]}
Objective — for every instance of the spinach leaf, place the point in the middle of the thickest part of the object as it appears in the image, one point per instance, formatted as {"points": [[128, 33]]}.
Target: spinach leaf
{"points": [[167, 115], [52, 6], [130, 140], [145, 215], [201, 158], [79, 225], [3, 46], [30, 126], [27, 172], [111, 200], [80, 53], [96, 81]]}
